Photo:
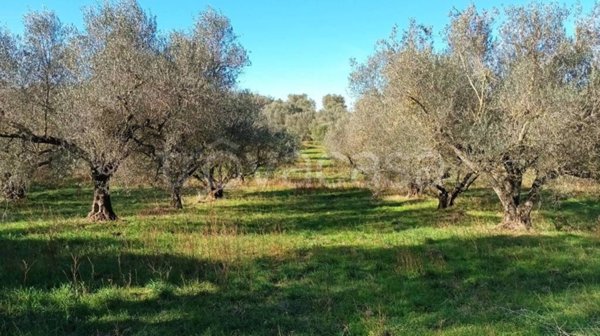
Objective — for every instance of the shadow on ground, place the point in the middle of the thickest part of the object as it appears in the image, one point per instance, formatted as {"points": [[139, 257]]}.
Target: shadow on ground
{"points": [[467, 284]]}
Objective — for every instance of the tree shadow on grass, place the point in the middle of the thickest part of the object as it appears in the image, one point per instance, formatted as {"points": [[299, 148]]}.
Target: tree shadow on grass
{"points": [[97, 261], [525, 284], [306, 209], [572, 214], [319, 209], [274, 211], [329, 209]]}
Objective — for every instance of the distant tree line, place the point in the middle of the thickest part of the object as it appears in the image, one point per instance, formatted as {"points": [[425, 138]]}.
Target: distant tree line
{"points": [[299, 116], [118, 93], [499, 100]]}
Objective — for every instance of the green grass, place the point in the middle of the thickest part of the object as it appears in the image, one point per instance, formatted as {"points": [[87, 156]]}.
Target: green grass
{"points": [[310, 257]]}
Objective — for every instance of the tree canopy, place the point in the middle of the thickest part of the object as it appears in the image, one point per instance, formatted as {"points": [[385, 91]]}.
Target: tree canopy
{"points": [[500, 100]]}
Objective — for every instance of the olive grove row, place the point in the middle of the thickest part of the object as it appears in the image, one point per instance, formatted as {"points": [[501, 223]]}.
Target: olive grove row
{"points": [[118, 91], [498, 100]]}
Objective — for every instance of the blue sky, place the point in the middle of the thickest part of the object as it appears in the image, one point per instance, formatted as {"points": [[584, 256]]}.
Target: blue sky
{"points": [[296, 46]]}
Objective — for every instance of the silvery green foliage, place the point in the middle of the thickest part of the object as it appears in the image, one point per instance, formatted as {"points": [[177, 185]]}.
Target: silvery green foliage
{"points": [[94, 92], [295, 115], [191, 79], [503, 102], [118, 88], [21, 162], [334, 109], [200, 122], [31, 70], [247, 143]]}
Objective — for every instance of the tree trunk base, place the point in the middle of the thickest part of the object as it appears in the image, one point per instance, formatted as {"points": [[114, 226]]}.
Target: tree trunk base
{"points": [[176, 202], [217, 193], [101, 216], [516, 223], [101, 206], [445, 201], [14, 193], [213, 195], [513, 226]]}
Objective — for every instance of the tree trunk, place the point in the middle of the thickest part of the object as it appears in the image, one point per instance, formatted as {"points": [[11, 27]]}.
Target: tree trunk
{"points": [[14, 192], [176, 202], [215, 190], [414, 189], [101, 206], [517, 213], [451, 199], [517, 217], [444, 199]]}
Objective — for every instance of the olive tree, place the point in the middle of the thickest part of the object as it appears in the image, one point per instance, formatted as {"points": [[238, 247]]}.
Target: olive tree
{"points": [[527, 111], [391, 151], [85, 92], [248, 143], [334, 109], [32, 69], [295, 115], [194, 76]]}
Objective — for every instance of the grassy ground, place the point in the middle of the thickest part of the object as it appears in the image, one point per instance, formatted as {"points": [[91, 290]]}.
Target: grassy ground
{"points": [[312, 256]]}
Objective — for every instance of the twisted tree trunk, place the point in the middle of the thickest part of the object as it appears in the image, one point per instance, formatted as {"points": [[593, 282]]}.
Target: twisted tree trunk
{"points": [[176, 202], [446, 198], [517, 209], [215, 189], [216, 192], [516, 215], [14, 192], [13, 189], [101, 206]]}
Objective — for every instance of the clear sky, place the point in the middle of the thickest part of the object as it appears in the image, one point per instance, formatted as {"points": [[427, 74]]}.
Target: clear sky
{"points": [[296, 46]]}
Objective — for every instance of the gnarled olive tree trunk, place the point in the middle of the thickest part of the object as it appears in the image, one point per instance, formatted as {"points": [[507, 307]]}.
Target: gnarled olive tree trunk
{"points": [[176, 170], [517, 208], [415, 189], [447, 197], [101, 206], [216, 192], [215, 189], [13, 190], [176, 201], [516, 215]]}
